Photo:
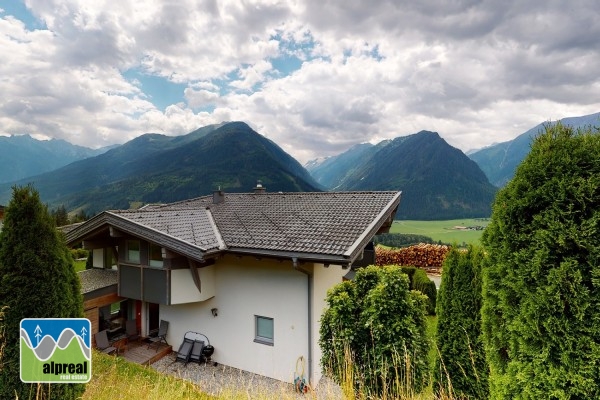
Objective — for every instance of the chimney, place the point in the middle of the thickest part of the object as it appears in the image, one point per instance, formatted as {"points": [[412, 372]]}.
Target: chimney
{"points": [[218, 196], [259, 189]]}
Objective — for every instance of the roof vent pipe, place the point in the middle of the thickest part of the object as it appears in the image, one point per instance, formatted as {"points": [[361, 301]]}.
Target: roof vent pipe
{"points": [[218, 196], [259, 189]]}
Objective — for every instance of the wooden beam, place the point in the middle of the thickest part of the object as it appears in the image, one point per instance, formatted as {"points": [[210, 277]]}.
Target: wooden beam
{"points": [[97, 244], [114, 232]]}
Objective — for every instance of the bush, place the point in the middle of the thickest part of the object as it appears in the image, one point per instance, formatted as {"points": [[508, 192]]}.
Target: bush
{"points": [[541, 289], [373, 330], [461, 369], [79, 253], [418, 280]]}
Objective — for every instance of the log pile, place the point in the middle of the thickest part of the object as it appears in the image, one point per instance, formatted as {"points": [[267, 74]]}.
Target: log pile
{"points": [[427, 256]]}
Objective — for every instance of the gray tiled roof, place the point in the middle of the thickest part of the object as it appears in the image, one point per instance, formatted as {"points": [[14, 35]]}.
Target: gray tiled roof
{"points": [[96, 278], [192, 225], [318, 222], [316, 225]]}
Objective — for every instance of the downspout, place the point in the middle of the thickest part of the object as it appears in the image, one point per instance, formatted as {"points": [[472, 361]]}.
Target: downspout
{"points": [[310, 305]]}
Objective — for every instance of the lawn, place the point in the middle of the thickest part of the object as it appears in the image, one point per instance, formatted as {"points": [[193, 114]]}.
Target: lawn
{"points": [[115, 378], [79, 265], [443, 230]]}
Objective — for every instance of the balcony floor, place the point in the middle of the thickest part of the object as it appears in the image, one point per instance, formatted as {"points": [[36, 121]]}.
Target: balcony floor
{"points": [[139, 353]]}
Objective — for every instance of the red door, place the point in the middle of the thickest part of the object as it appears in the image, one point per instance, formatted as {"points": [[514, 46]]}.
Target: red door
{"points": [[138, 315]]}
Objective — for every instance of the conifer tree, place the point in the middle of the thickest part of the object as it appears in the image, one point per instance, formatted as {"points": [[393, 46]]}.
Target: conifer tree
{"points": [[461, 369], [541, 288], [37, 280]]}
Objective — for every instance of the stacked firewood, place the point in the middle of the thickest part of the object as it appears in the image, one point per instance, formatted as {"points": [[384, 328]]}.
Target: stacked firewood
{"points": [[423, 255]]}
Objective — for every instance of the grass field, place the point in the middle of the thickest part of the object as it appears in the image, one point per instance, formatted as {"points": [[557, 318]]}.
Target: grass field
{"points": [[79, 265], [443, 230]]}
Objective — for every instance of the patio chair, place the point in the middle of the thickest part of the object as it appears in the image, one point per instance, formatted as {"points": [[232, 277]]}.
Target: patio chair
{"points": [[184, 352], [162, 333], [197, 351], [103, 344], [131, 330]]}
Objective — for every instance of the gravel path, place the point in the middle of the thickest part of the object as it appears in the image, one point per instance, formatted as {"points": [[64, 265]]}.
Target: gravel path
{"points": [[227, 382]]}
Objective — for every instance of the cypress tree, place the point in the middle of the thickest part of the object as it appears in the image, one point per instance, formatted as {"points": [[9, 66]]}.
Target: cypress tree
{"points": [[37, 280], [541, 288], [461, 369]]}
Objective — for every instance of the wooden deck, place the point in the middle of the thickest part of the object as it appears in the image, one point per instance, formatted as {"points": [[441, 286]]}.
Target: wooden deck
{"points": [[139, 353]]}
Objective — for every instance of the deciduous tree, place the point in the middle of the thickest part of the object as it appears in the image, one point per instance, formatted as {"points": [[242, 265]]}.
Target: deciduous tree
{"points": [[374, 331]]}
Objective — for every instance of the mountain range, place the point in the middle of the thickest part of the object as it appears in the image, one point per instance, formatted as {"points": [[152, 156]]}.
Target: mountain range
{"points": [[158, 168], [437, 180], [499, 161], [22, 156]]}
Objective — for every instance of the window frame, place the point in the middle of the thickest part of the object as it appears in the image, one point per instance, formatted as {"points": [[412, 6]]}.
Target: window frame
{"points": [[128, 252], [269, 341], [155, 263]]}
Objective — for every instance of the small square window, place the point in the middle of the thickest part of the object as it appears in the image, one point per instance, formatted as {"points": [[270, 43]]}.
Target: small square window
{"points": [[133, 251], [263, 330]]}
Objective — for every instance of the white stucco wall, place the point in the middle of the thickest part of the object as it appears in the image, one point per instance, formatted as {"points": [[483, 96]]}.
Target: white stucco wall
{"points": [[245, 287], [324, 278], [184, 290]]}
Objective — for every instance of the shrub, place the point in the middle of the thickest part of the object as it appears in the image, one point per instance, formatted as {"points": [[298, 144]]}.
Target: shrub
{"points": [[461, 369], [541, 288], [379, 324], [423, 284], [79, 253], [418, 280]]}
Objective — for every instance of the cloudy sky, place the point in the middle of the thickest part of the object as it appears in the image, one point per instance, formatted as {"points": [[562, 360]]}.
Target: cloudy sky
{"points": [[315, 76]]}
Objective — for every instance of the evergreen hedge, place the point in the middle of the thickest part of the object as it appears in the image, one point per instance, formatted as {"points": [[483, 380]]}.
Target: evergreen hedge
{"points": [[37, 280], [461, 369], [418, 280], [541, 289]]}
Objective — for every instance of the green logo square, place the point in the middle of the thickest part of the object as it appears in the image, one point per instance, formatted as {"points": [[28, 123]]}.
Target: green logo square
{"points": [[56, 350]]}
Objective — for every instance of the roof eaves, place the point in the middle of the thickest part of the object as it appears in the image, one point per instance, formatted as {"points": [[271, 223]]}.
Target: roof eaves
{"points": [[372, 229], [314, 257], [142, 231]]}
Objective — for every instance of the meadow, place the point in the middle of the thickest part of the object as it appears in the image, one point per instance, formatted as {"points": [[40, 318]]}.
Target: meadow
{"points": [[443, 231]]}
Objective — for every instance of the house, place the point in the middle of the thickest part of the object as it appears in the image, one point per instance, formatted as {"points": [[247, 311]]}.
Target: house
{"points": [[248, 270]]}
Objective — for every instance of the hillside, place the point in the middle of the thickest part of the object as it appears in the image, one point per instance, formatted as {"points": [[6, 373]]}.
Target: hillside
{"points": [[333, 171], [437, 180], [499, 161], [22, 156], [159, 168]]}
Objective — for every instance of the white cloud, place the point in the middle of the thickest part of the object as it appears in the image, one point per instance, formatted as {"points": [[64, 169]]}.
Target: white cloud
{"points": [[476, 72]]}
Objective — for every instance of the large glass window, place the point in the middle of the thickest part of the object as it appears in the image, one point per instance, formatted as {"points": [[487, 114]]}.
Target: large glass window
{"points": [[264, 330], [133, 251], [156, 259]]}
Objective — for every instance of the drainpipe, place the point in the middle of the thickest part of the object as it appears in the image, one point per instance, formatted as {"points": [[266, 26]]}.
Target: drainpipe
{"points": [[310, 338]]}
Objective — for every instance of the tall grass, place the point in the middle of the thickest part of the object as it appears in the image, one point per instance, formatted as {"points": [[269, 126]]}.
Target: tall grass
{"points": [[116, 378]]}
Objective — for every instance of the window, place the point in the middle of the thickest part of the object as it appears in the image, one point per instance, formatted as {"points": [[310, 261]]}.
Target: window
{"points": [[156, 259], [264, 330], [133, 251]]}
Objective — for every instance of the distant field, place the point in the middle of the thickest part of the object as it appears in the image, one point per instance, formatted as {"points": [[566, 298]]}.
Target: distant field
{"points": [[443, 230]]}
